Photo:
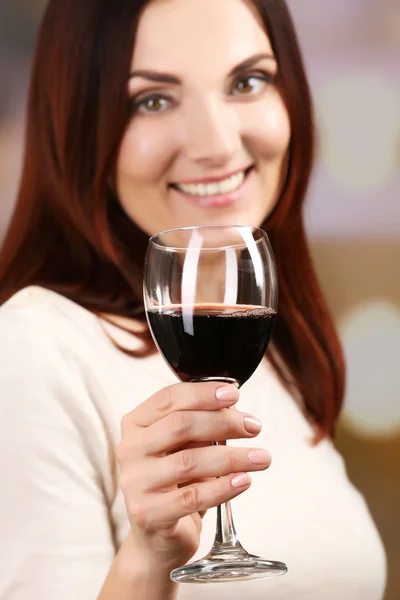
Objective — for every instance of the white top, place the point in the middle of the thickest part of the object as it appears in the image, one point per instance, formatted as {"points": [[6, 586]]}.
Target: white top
{"points": [[63, 390]]}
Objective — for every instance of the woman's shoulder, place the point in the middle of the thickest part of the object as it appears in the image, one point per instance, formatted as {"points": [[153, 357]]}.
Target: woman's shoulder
{"points": [[44, 332], [43, 328], [48, 386], [43, 317], [39, 304], [54, 355]]}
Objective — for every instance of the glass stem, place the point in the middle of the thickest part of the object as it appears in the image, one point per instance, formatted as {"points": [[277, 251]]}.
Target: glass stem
{"points": [[226, 537]]}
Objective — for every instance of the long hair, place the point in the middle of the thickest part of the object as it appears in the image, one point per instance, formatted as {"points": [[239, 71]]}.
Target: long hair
{"points": [[68, 232]]}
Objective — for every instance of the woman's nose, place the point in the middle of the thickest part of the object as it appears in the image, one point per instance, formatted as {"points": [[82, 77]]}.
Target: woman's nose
{"points": [[212, 133]]}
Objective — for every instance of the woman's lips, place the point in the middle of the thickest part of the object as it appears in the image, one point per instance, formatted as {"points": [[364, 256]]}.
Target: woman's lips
{"points": [[220, 200]]}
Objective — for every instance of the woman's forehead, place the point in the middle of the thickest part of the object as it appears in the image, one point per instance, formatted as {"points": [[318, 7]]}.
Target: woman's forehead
{"points": [[182, 34]]}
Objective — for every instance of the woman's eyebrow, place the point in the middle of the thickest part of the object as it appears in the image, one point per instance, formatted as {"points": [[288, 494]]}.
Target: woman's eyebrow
{"points": [[169, 78]]}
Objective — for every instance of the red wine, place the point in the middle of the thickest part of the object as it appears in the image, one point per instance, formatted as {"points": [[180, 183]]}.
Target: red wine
{"points": [[211, 340]]}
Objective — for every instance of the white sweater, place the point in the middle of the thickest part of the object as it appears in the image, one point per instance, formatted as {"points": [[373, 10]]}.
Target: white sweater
{"points": [[63, 390]]}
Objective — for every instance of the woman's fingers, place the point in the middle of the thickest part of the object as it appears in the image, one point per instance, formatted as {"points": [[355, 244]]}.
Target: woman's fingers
{"points": [[182, 397], [196, 464], [162, 511], [169, 470], [183, 427]]}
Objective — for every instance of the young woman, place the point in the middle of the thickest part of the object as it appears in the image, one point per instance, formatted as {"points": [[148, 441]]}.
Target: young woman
{"points": [[135, 107]]}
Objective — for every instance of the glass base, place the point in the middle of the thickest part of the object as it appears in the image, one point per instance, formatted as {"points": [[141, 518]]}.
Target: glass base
{"points": [[228, 566]]}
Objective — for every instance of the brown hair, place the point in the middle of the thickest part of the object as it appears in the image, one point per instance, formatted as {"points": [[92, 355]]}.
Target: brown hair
{"points": [[68, 232]]}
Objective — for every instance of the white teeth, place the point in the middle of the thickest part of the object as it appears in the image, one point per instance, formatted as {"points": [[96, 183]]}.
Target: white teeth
{"points": [[213, 189]]}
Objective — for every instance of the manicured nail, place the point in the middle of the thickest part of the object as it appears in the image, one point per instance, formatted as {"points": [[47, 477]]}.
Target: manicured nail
{"points": [[252, 425], [241, 481], [227, 395], [259, 457]]}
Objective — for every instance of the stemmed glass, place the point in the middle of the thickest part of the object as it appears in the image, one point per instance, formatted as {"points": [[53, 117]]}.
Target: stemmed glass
{"points": [[211, 297]]}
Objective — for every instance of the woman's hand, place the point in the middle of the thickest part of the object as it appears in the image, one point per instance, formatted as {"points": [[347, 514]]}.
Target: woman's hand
{"points": [[169, 468]]}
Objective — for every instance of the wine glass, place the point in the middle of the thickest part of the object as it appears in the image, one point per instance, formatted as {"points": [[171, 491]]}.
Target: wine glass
{"points": [[211, 297]]}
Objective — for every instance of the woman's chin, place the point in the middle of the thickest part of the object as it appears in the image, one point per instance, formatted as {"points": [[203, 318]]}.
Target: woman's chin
{"points": [[223, 217]]}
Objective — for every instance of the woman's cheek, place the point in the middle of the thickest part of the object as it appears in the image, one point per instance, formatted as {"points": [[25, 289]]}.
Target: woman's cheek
{"points": [[271, 127], [145, 152]]}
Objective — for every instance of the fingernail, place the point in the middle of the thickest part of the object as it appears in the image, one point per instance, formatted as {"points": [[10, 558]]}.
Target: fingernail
{"points": [[227, 395], [241, 480], [252, 425], [259, 457]]}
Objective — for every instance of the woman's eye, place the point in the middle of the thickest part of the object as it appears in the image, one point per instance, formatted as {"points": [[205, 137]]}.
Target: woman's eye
{"points": [[151, 104], [252, 84]]}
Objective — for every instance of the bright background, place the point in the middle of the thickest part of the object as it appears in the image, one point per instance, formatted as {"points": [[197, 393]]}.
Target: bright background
{"points": [[352, 52]]}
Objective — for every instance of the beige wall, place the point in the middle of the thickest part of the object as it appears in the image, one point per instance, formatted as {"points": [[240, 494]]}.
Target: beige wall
{"points": [[352, 50], [357, 274]]}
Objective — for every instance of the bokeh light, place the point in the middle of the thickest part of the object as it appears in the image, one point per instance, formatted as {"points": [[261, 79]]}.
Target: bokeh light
{"points": [[359, 123], [371, 337]]}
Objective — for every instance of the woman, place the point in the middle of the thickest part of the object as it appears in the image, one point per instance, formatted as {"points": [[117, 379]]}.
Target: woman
{"points": [[134, 108]]}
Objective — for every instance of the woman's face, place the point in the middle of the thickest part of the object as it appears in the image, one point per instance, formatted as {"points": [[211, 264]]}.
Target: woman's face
{"points": [[209, 133]]}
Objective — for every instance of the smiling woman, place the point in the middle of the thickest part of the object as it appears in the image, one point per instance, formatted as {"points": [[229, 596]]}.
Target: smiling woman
{"points": [[145, 116], [216, 138]]}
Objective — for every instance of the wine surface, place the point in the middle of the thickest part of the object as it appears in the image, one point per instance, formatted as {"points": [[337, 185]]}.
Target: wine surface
{"points": [[212, 340]]}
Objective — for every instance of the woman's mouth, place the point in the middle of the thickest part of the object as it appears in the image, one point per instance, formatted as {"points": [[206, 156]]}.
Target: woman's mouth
{"points": [[215, 194]]}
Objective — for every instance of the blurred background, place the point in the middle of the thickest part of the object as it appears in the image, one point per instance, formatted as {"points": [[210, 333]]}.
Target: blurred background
{"points": [[352, 53]]}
